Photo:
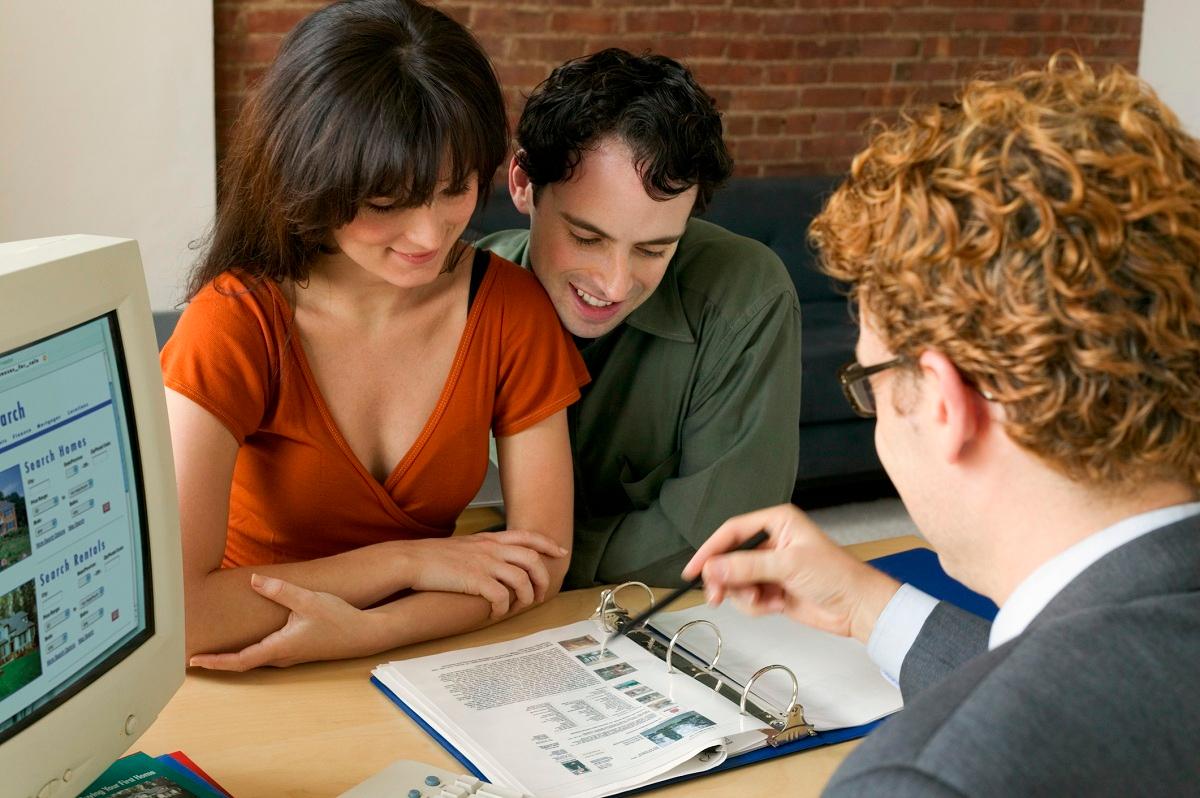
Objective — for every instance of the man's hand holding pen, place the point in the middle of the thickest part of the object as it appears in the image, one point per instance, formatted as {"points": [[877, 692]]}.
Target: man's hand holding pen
{"points": [[798, 571], [750, 542]]}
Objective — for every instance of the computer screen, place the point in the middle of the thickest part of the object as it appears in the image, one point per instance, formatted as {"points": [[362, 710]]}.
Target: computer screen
{"points": [[74, 572], [90, 585]]}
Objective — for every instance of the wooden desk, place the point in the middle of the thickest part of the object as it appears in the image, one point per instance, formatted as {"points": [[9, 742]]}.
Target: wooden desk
{"points": [[313, 731]]}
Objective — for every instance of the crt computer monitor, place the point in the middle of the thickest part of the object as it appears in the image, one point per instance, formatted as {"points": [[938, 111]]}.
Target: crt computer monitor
{"points": [[91, 598]]}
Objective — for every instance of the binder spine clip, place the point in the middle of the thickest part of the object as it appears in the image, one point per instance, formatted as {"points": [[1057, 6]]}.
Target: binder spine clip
{"points": [[785, 726], [793, 725], [611, 616]]}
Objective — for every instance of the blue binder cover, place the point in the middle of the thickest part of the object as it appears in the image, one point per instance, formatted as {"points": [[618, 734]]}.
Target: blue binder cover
{"points": [[918, 567]]}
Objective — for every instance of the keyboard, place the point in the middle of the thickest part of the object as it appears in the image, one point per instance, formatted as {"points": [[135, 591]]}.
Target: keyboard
{"points": [[409, 779]]}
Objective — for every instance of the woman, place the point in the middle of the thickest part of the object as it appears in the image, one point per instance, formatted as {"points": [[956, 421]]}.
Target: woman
{"points": [[333, 380]]}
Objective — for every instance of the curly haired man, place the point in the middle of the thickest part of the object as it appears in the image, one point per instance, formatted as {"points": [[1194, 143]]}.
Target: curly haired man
{"points": [[1026, 264]]}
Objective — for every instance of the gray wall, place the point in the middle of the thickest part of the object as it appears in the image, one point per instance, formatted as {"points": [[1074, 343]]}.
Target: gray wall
{"points": [[1170, 56]]}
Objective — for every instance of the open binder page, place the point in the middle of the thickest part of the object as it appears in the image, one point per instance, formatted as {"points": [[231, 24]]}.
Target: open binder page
{"points": [[553, 715], [837, 683]]}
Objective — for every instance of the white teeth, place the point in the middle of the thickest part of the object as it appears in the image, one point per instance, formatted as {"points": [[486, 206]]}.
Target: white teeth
{"points": [[591, 300]]}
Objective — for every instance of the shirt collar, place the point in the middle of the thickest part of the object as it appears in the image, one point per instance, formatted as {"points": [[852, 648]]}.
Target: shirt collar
{"points": [[520, 255], [662, 312], [1048, 580]]}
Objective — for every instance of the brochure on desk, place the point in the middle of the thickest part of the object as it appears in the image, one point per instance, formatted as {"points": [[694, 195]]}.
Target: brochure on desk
{"points": [[141, 775], [552, 714]]}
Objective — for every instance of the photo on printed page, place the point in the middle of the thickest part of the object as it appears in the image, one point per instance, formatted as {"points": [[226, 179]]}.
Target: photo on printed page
{"points": [[641, 689], [15, 543], [627, 685], [592, 657], [576, 767], [646, 699], [676, 729], [20, 645], [663, 704], [578, 643], [613, 671]]}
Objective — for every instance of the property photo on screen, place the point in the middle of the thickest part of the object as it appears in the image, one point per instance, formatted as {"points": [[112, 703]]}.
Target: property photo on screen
{"points": [[20, 647], [14, 520]]}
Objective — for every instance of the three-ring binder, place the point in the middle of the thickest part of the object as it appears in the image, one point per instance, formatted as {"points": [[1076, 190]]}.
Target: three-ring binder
{"points": [[787, 725]]}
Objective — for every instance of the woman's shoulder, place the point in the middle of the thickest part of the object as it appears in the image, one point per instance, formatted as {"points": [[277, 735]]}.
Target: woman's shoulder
{"points": [[226, 351], [237, 287], [237, 294], [235, 310], [516, 284]]}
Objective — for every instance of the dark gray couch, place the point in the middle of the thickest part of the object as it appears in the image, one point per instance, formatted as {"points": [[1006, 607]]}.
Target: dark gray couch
{"points": [[837, 450]]}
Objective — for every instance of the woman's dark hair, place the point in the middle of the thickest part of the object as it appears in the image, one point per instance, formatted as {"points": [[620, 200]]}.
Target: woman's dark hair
{"points": [[650, 102], [367, 98]]}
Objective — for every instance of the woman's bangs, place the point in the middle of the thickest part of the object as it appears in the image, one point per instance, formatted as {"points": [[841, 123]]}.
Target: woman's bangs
{"points": [[421, 147]]}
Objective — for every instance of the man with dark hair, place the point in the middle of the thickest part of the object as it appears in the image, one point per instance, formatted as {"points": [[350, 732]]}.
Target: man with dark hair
{"points": [[691, 333]]}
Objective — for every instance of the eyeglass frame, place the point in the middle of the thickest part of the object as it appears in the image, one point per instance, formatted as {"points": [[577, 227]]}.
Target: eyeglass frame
{"points": [[854, 373], [851, 375]]}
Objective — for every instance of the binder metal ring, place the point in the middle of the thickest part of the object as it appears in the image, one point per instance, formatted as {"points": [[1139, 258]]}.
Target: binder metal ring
{"points": [[684, 628], [784, 728], [609, 612], [707, 670], [795, 687]]}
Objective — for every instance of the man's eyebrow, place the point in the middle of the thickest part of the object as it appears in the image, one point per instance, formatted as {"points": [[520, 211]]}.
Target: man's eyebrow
{"points": [[591, 228], [577, 222]]}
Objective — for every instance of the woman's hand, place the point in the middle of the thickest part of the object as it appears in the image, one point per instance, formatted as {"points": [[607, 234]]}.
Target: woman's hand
{"points": [[799, 572], [319, 626], [494, 565]]}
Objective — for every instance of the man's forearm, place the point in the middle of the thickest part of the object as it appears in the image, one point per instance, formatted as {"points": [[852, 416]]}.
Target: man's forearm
{"points": [[949, 637], [892, 631]]}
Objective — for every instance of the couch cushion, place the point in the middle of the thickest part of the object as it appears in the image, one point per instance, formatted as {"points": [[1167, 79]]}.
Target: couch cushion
{"points": [[827, 344], [838, 453], [777, 211], [164, 325]]}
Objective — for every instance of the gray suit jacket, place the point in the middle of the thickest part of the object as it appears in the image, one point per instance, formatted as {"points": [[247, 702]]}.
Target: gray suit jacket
{"points": [[1099, 696]]}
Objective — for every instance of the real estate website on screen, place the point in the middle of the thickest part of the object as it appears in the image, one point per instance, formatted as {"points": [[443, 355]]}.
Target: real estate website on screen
{"points": [[74, 575]]}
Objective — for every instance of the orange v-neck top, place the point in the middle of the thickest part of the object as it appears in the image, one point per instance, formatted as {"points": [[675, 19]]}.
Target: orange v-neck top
{"points": [[299, 492]]}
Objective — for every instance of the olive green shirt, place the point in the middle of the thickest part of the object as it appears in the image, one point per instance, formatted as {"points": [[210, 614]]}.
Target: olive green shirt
{"points": [[693, 412]]}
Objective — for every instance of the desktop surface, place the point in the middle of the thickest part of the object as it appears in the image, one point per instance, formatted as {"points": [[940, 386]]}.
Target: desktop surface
{"points": [[316, 730]]}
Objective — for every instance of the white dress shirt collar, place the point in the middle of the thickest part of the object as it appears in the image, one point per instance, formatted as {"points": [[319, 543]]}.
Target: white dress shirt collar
{"points": [[1037, 590]]}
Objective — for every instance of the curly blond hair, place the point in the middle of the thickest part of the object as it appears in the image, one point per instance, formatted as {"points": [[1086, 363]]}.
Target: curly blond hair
{"points": [[1044, 234]]}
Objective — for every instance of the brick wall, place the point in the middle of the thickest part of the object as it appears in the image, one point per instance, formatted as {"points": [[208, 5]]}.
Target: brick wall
{"points": [[796, 79]]}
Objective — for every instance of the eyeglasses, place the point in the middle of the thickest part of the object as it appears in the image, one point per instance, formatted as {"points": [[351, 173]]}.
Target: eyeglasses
{"points": [[853, 377]]}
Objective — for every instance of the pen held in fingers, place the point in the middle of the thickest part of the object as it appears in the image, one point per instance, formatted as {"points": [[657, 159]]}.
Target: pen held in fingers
{"points": [[752, 542]]}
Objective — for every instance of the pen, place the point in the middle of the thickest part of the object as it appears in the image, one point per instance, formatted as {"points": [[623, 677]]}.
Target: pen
{"points": [[752, 542]]}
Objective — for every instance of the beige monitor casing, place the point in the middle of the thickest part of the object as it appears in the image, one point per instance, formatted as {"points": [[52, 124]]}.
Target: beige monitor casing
{"points": [[48, 285]]}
